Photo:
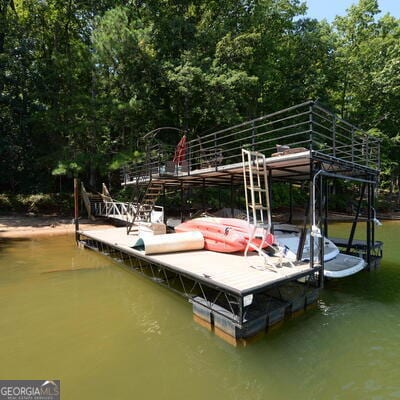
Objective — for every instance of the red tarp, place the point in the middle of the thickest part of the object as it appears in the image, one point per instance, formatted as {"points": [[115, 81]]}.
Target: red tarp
{"points": [[180, 151]]}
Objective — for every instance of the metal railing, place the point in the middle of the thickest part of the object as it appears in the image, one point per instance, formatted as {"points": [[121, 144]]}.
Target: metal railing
{"points": [[307, 125], [112, 209], [123, 210], [336, 137]]}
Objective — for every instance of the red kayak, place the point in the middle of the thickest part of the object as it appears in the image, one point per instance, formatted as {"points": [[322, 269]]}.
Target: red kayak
{"points": [[225, 235]]}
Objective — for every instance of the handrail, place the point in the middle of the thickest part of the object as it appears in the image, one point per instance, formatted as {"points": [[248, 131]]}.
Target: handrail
{"points": [[307, 124], [118, 210]]}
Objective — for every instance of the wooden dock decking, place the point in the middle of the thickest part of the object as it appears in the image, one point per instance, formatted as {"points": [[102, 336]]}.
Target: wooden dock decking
{"points": [[234, 272]]}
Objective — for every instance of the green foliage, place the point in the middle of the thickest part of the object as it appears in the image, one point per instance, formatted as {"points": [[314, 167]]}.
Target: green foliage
{"points": [[80, 82], [67, 168], [41, 203], [281, 196], [122, 159], [5, 202], [35, 202], [341, 202], [385, 204]]}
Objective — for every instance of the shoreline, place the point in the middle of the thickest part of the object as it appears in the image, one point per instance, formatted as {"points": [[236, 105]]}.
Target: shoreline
{"points": [[13, 226]]}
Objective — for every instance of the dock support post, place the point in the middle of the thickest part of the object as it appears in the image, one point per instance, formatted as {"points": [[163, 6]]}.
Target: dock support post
{"points": [[373, 193], [76, 208], [203, 195], [303, 233], [269, 194], [241, 310], [312, 213], [164, 202], [232, 197], [353, 227], [290, 221], [182, 195], [321, 221], [326, 205], [369, 225]]}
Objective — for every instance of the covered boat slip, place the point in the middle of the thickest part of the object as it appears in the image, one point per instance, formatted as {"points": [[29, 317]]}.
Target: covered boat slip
{"points": [[304, 144], [232, 272]]}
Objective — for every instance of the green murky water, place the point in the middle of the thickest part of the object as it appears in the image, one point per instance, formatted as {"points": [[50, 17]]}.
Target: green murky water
{"points": [[110, 334]]}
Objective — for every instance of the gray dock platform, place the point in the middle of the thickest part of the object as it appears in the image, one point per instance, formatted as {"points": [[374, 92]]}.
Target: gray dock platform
{"points": [[230, 292], [234, 272]]}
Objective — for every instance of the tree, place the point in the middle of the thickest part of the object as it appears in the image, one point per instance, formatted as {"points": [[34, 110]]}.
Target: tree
{"points": [[368, 65], [81, 81]]}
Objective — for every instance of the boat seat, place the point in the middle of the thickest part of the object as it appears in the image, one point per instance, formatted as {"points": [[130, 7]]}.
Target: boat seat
{"points": [[285, 150], [211, 158], [208, 157]]}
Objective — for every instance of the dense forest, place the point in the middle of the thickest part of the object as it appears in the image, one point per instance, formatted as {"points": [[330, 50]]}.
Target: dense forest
{"points": [[80, 81]]}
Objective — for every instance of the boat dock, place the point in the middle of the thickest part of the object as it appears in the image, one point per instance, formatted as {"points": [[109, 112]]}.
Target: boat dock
{"points": [[304, 145], [231, 292]]}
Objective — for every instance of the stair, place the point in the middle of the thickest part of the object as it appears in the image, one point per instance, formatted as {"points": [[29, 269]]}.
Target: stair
{"points": [[93, 199], [89, 199], [146, 198]]}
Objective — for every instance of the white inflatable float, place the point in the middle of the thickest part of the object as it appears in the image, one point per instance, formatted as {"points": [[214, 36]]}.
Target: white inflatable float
{"points": [[170, 243]]}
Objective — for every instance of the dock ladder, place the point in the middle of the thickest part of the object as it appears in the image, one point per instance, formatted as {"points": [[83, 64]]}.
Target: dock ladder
{"points": [[258, 208]]}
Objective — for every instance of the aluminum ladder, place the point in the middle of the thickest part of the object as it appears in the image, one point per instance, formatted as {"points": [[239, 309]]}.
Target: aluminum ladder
{"points": [[258, 208], [257, 199]]}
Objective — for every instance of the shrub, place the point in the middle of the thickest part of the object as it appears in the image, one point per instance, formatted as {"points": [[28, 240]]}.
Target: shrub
{"points": [[41, 203], [5, 202]]}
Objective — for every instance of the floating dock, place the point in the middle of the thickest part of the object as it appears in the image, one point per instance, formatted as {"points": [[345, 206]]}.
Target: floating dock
{"points": [[234, 293], [241, 296]]}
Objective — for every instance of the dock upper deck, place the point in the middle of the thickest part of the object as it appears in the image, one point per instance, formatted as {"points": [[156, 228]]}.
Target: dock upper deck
{"points": [[232, 272], [291, 167], [316, 134]]}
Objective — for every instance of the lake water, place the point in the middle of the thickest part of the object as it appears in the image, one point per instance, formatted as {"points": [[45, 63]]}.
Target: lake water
{"points": [[108, 333]]}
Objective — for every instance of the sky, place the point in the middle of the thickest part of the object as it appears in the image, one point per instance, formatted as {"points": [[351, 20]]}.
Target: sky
{"points": [[328, 9]]}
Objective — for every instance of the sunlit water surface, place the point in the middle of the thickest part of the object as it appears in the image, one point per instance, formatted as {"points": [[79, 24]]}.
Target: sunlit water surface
{"points": [[107, 333]]}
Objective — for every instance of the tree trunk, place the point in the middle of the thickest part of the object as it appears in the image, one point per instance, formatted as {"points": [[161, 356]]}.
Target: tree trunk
{"points": [[93, 176], [391, 187]]}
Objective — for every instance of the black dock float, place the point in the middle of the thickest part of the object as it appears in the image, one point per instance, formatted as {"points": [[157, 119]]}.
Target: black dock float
{"points": [[266, 310]]}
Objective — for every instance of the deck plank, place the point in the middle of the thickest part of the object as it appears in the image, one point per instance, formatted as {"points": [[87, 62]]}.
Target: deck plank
{"points": [[234, 271]]}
